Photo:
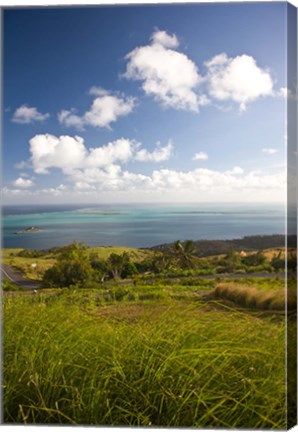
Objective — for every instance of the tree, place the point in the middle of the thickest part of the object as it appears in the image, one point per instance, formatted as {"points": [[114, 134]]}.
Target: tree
{"points": [[117, 262], [160, 263], [72, 267], [277, 262], [232, 260], [184, 253], [254, 259]]}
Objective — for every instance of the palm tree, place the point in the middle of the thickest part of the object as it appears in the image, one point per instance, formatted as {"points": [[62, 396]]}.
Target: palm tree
{"points": [[184, 252]]}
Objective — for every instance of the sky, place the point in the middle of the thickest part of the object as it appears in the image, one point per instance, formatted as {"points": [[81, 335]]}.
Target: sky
{"points": [[156, 103]]}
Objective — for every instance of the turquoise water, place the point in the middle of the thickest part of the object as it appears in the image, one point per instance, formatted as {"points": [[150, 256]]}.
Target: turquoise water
{"points": [[136, 225]]}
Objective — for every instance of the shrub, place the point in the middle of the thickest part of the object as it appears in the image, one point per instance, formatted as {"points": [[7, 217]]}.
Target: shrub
{"points": [[28, 253], [9, 286], [72, 268]]}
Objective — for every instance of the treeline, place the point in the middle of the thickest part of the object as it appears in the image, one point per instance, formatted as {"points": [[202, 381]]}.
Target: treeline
{"points": [[249, 243], [76, 264]]}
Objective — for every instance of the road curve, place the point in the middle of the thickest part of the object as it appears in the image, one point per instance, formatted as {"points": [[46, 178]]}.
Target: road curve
{"points": [[16, 277]]}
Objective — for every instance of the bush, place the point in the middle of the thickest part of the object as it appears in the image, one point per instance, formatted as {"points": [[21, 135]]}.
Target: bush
{"points": [[73, 268], [27, 253], [9, 286]]}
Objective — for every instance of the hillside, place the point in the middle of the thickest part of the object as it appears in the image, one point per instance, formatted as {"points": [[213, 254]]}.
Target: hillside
{"points": [[248, 243]]}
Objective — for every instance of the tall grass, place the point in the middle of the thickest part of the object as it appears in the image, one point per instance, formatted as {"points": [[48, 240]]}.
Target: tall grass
{"points": [[254, 297], [140, 364]]}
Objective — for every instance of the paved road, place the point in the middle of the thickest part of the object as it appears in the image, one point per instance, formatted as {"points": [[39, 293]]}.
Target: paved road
{"points": [[16, 277]]}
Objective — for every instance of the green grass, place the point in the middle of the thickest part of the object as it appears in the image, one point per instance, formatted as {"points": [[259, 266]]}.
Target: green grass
{"points": [[74, 358]]}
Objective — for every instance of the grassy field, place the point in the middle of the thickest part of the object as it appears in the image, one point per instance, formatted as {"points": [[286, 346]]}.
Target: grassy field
{"points": [[156, 346], [159, 358]]}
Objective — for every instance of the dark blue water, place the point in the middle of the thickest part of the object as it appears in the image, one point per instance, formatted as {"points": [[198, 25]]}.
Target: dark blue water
{"points": [[136, 225]]}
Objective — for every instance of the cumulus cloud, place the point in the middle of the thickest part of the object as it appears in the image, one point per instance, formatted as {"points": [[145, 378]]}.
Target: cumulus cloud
{"points": [[166, 74], [105, 109], [160, 154], [237, 79], [216, 181], [121, 150], [181, 183], [269, 151], [25, 115], [64, 152], [23, 183], [163, 38], [70, 153], [166, 184], [200, 156], [105, 169]]}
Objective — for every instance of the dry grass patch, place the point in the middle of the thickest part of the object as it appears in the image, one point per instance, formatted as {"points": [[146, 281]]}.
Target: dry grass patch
{"points": [[253, 297]]}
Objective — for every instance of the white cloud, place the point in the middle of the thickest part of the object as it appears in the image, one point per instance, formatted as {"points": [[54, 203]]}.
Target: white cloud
{"points": [[269, 150], [216, 181], [160, 154], [163, 38], [14, 192], [238, 79], [70, 153], [58, 191], [23, 183], [165, 185], [105, 109], [49, 151], [167, 75], [235, 171], [200, 156], [121, 150], [69, 118], [98, 91], [103, 170], [25, 115], [286, 93]]}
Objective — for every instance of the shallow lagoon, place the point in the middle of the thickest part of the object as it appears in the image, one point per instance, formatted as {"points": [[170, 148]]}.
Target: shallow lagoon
{"points": [[137, 225]]}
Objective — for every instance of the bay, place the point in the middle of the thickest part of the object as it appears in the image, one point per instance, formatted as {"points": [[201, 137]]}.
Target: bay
{"points": [[136, 225]]}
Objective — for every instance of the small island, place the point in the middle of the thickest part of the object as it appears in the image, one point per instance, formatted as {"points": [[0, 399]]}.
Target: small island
{"points": [[28, 230]]}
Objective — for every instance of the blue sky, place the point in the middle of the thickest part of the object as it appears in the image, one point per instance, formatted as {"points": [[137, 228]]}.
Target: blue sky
{"points": [[152, 103]]}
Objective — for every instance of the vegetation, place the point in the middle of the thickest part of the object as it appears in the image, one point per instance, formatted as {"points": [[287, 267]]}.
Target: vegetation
{"points": [[248, 243], [69, 360], [7, 285], [252, 297], [57, 267], [72, 267], [125, 337]]}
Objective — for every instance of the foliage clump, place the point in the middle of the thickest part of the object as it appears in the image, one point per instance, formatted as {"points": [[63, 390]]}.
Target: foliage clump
{"points": [[72, 267]]}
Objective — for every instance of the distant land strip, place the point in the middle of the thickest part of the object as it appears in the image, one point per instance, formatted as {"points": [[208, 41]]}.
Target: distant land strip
{"points": [[247, 243]]}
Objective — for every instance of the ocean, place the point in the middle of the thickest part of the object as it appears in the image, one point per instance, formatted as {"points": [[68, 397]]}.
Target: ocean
{"points": [[136, 225]]}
